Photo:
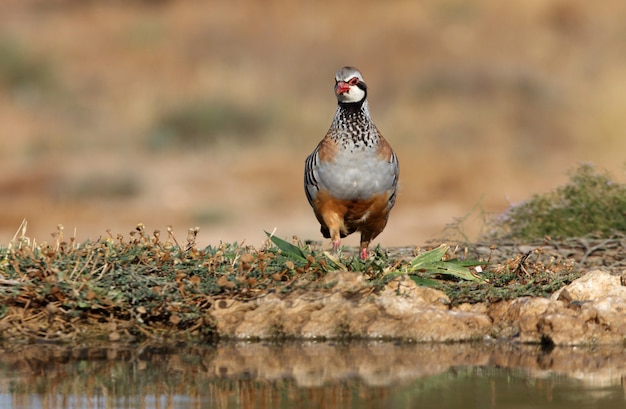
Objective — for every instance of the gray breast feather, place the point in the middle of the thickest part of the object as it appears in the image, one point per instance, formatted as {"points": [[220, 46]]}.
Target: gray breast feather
{"points": [[350, 177]]}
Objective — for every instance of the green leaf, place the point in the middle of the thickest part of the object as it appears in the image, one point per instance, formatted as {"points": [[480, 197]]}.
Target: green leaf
{"points": [[456, 270], [430, 262], [428, 259], [424, 282], [334, 262], [287, 248]]}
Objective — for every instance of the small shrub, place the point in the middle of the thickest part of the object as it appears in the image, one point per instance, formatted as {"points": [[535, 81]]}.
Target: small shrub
{"points": [[21, 72], [591, 204], [102, 186], [203, 123]]}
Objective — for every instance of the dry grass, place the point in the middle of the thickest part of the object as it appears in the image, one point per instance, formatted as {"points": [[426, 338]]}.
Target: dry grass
{"points": [[480, 99]]}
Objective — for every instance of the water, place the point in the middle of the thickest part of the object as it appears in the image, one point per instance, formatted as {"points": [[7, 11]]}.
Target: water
{"points": [[311, 375]]}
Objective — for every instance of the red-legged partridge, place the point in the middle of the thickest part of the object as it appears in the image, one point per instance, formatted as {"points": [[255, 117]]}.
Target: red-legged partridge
{"points": [[351, 177]]}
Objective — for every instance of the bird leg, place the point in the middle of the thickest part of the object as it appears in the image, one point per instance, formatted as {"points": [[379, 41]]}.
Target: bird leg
{"points": [[366, 237], [333, 222], [364, 253], [336, 243]]}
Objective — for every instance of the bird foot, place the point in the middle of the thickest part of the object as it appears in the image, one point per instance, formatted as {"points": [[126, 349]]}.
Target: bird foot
{"points": [[364, 253], [336, 244]]}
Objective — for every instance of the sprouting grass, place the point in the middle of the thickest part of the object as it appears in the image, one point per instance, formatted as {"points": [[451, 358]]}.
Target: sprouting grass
{"points": [[591, 204], [434, 262], [525, 275]]}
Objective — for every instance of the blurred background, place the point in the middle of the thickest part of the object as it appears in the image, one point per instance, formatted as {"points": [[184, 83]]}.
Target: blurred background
{"points": [[200, 113]]}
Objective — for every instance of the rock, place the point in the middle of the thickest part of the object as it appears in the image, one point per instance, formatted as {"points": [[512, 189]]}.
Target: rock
{"points": [[403, 296], [606, 317], [591, 286], [345, 281], [114, 336], [478, 307], [519, 318], [402, 310], [339, 318], [562, 329], [588, 311]]}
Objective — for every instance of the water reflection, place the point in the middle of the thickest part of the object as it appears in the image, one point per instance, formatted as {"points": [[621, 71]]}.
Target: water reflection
{"points": [[310, 375]]}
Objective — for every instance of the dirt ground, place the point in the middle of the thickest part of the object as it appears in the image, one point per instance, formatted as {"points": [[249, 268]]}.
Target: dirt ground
{"points": [[485, 102]]}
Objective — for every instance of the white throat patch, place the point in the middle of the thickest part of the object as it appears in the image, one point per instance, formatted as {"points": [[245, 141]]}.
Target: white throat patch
{"points": [[355, 94]]}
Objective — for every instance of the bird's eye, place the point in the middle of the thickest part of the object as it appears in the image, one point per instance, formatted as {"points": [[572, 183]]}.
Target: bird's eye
{"points": [[353, 81]]}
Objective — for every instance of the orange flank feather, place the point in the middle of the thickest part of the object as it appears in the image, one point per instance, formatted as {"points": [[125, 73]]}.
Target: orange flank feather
{"points": [[327, 150], [339, 217], [385, 152]]}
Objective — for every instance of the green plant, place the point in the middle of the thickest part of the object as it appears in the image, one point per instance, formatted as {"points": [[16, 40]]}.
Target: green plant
{"points": [[590, 204], [22, 72], [431, 263], [437, 262], [99, 186], [203, 123]]}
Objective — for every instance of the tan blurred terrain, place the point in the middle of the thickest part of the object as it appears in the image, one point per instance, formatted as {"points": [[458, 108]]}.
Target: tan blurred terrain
{"points": [[198, 113]]}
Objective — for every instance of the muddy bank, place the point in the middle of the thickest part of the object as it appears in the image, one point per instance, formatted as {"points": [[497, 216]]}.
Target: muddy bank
{"points": [[144, 289], [345, 307], [589, 311]]}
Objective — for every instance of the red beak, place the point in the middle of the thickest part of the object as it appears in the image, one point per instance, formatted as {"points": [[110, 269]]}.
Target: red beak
{"points": [[341, 87]]}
